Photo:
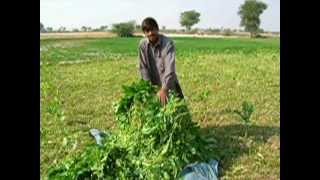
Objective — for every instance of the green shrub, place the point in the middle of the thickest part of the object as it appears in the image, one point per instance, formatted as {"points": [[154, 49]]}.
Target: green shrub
{"points": [[227, 32], [124, 29]]}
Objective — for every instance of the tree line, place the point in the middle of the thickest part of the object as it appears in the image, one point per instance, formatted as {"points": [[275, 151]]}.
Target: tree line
{"points": [[44, 29], [249, 13]]}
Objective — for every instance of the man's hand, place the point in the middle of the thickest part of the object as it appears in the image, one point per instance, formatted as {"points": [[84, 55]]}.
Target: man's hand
{"points": [[163, 96]]}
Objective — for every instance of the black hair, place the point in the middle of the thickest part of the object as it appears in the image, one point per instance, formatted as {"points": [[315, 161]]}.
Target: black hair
{"points": [[149, 24]]}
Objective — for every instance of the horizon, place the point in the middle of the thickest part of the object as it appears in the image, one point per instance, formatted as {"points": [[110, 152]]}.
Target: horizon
{"points": [[214, 14]]}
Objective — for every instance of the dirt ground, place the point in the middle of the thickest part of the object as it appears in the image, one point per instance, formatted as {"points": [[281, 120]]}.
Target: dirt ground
{"points": [[76, 35]]}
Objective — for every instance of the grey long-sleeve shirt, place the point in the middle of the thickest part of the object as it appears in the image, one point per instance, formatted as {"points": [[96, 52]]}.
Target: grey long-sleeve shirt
{"points": [[157, 63]]}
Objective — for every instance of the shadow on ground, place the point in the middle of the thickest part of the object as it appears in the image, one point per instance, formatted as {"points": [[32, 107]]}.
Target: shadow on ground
{"points": [[230, 142]]}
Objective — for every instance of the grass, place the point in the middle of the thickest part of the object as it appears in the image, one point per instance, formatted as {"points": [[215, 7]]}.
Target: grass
{"points": [[215, 75]]}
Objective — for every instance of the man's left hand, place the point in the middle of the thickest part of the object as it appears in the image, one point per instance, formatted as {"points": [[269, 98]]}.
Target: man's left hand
{"points": [[163, 96]]}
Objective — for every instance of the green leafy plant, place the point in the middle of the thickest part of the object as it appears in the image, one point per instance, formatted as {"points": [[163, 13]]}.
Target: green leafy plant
{"points": [[124, 29], [245, 114], [204, 95], [152, 141]]}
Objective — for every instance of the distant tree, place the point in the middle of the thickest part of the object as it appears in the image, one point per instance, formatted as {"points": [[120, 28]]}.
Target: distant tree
{"points": [[250, 13], [84, 29], [138, 27], [124, 29], [163, 27], [42, 28], [75, 30], [213, 30], [227, 32], [62, 29], [89, 29], [194, 31], [189, 18], [49, 29], [103, 28]]}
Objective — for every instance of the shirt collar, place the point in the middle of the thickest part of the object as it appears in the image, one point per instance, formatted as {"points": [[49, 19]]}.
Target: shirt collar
{"points": [[158, 43]]}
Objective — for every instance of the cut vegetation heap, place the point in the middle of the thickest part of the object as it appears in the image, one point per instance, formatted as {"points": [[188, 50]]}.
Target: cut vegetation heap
{"points": [[151, 141]]}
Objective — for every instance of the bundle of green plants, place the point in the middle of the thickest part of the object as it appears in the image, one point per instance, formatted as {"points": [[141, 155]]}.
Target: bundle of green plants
{"points": [[151, 142]]}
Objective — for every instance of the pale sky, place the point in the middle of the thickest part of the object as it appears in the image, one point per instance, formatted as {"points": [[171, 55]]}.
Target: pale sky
{"points": [[94, 13]]}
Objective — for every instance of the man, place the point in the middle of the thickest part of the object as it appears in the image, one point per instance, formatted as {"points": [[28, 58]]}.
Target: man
{"points": [[157, 60]]}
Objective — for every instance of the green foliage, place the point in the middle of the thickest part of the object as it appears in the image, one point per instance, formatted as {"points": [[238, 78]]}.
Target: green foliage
{"points": [[75, 30], [227, 32], [152, 141], [250, 13], [42, 28], [84, 28], [246, 112], [103, 28], [203, 96], [62, 29], [49, 29], [189, 18], [138, 27], [115, 48], [124, 29], [214, 30]]}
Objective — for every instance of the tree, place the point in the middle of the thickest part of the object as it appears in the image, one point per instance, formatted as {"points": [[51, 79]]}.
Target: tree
{"points": [[124, 29], [96, 30], [261, 30], [49, 29], [75, 30], [84, 28], [227, 32], [62, 29], [42, 28], [250, 13], [138, 27], [103, 28], [189, 18]]}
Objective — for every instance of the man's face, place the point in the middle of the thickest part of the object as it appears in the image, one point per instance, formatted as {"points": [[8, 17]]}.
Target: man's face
{"points": [[151, 34]]}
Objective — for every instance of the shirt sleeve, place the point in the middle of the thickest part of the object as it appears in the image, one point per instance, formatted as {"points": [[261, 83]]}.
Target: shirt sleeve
{"points": [[169, 76], [143, 65]]}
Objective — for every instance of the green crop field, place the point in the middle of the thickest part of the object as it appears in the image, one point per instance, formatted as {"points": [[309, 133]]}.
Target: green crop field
{"points": [[82, 78]]}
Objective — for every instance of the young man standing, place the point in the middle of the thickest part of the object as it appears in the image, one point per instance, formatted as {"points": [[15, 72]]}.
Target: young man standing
{"points": [[157, 60]]}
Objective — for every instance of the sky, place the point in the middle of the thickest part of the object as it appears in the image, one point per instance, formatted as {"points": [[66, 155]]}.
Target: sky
{"points": [[94, 13]]}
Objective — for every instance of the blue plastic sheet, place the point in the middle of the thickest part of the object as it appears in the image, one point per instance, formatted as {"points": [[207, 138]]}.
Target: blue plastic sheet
{"points": [[98, 135], [201, 171]]}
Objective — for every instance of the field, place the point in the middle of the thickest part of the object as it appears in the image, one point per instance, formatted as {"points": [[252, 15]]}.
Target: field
{"points": [[81, 78]]}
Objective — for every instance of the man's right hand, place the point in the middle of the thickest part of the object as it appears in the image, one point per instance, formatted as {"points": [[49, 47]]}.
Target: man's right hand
{"points": [[163, 96]]}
